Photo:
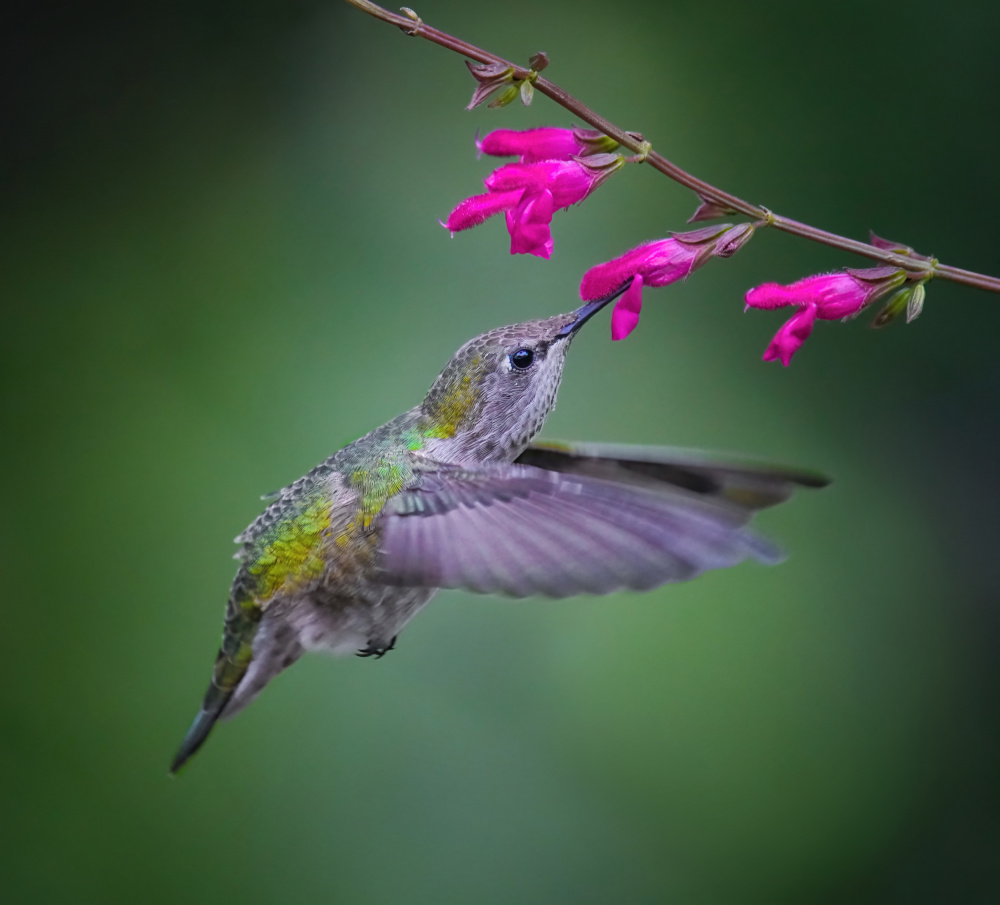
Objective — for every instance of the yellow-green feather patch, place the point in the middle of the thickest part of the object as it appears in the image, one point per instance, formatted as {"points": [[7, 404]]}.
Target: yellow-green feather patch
{"points": [[456, 403], [374, 488], [288, 554]]}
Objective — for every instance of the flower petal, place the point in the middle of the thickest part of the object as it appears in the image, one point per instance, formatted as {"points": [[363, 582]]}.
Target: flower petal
{"points": [[535, 176], [790, 337], [603, 279], [625, 316], [773, 295], [528, 225], [478, 208]]}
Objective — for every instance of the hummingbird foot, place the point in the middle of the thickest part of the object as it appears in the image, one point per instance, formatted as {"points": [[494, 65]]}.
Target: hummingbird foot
{"points": [[377, 649]]}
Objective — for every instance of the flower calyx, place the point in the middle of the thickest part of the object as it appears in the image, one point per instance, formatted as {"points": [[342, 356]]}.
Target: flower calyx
{"points": [[594, 142]]}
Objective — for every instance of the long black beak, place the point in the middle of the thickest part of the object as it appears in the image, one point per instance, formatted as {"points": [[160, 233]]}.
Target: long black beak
{"points": [[585, 312]]}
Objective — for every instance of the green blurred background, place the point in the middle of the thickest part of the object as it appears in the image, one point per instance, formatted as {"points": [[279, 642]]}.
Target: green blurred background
{"points": [[221, 261]]}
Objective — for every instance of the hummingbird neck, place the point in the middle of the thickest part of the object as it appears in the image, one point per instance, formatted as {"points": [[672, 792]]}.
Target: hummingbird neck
{"points": [[449, 410]]}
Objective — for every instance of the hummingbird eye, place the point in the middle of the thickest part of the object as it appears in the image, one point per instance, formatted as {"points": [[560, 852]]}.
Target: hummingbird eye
{"points": [[522, 359]]}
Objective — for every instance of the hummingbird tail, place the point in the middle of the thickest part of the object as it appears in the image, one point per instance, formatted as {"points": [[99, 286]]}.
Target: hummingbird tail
{"points": [[215, 701], [231, 666]]}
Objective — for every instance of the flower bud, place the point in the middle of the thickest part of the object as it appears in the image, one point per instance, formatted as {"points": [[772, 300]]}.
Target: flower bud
{"points": [[733, 240], [539, 61], [893, 308], [916, 303], [490, 77], [505, 97]]}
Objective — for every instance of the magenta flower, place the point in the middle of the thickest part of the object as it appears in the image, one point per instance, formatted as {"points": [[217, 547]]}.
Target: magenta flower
{"points": [[532, 145], [658, 264], [828, 296], [529, 194]]}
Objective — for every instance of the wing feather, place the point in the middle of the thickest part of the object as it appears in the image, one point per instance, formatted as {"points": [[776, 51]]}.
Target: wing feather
{"points": [[747, 484], [520, 530]]}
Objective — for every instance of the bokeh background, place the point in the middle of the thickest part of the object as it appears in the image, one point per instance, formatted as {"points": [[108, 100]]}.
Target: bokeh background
{"points": [[221, 261]]}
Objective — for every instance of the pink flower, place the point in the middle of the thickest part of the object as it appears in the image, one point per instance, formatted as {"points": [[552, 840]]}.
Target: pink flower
{"points": [[532, 145], [529, 194], [828, 296], [657, 264]]}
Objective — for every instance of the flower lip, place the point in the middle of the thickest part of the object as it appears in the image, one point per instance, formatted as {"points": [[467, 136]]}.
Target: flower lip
{"points": [[585, 312]]}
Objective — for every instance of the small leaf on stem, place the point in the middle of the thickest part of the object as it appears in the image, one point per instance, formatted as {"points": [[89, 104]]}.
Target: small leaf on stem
{"points": [[709, 210], [888, 245]]}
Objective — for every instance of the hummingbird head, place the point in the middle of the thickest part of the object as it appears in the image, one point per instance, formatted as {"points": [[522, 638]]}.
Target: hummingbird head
{"points": [[495, 393]]}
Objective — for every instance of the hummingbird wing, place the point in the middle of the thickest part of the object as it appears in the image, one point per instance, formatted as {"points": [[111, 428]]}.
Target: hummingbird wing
{"points": [[747, 484], [522, 530]]}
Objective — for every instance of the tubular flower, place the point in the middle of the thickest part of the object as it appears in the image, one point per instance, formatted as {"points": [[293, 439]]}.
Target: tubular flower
{"points": [[529, 194], [532, 145], [658, 264], [545, 143], [828, 296]]}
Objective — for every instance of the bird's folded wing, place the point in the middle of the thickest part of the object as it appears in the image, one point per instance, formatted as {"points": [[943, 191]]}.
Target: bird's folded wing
{"points": [[748, 485], [523, 531]]}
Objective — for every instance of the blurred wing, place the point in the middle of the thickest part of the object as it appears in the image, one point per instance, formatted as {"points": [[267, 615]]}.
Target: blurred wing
{"points": [[748, 485], [524, 531]]}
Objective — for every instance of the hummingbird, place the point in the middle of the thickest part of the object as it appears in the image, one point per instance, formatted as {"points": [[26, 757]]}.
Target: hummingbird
{"points": [[455, 493]]}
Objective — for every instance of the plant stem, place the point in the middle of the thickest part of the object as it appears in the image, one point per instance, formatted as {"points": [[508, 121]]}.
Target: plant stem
{"points": [[916, 268]]}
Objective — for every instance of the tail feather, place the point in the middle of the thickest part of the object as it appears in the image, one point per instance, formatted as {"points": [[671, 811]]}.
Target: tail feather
{"points": [[215, 701], [231, 666]]}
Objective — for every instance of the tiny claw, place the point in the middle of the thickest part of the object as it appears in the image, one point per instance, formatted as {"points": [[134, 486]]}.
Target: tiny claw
{"points": [[376, 650]]}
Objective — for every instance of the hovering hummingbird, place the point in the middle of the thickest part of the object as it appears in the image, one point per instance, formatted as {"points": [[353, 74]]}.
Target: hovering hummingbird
{"points": [[454, 494]]}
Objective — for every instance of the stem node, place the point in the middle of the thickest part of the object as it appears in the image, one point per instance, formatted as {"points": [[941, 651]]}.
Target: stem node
{"points": [[411, 30]]}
